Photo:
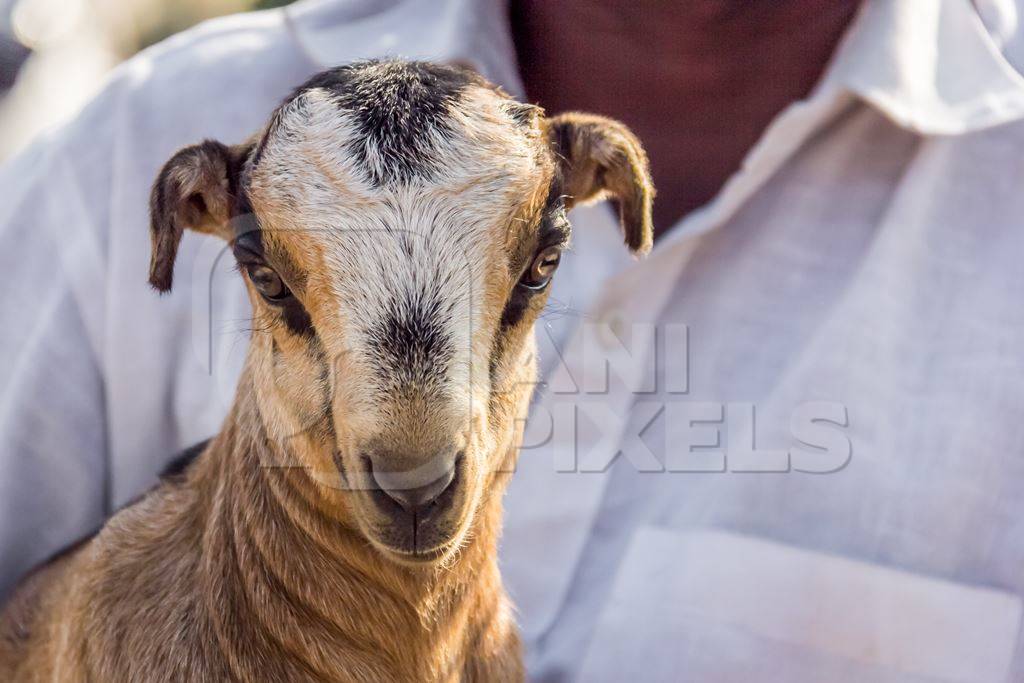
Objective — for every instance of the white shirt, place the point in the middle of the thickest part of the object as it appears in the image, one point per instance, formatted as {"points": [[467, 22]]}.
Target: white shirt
{"points": [[859, 274]]}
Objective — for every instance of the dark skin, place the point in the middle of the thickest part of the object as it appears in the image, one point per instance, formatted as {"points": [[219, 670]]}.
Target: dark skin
{"points": [[698, 81]]}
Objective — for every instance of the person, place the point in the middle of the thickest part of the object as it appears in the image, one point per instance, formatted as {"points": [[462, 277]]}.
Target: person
{"points": [[785, 446]]}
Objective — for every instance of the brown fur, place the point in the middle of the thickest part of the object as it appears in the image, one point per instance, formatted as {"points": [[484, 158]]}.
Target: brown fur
{"points": [[257, 562], [230, 573]]}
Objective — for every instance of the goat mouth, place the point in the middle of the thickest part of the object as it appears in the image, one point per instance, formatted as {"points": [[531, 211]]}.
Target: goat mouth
{"points": [[419, 557], [427, 535], [418, 542]]}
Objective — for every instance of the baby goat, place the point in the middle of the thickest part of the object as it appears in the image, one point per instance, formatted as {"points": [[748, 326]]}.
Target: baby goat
{"points": [[397, 224]]}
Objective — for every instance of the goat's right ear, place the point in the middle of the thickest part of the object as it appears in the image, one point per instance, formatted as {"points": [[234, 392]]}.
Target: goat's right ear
{"points": [[195, 189]]}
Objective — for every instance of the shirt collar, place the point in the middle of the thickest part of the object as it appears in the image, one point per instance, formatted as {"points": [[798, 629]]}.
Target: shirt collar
{"points": [[929, 65], [471, 32]]}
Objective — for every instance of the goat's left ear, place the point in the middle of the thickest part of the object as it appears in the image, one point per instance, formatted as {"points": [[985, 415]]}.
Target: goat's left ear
{"points": [[195, 189], [601, 158]]}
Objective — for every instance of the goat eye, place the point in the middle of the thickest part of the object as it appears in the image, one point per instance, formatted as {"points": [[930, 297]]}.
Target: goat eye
{"points": [[543, 267], [268, 283]]}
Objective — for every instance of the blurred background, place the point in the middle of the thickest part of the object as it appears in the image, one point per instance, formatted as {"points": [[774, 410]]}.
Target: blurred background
{"points": [[54, 54]]}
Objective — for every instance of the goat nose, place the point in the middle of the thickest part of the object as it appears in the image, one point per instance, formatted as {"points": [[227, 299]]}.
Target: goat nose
{"points": [[407, 488]]}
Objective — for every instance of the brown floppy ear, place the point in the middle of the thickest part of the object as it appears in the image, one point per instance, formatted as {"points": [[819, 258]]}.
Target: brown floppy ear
{"points": [[599, 159], [197, 188]]}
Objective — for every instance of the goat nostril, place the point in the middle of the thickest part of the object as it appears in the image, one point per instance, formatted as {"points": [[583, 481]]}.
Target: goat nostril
{"points": [[403, 489]]}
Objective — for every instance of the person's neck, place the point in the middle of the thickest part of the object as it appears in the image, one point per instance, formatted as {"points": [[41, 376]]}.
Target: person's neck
{"points": [[697, 81], [286, 568]]}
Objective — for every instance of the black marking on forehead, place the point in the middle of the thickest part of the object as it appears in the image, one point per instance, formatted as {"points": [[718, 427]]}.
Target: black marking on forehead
{"points": [[411, 346], [399, 109]]}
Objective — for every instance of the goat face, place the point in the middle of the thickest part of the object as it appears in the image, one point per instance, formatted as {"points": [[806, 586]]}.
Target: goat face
{"points": [[398, 224]]}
